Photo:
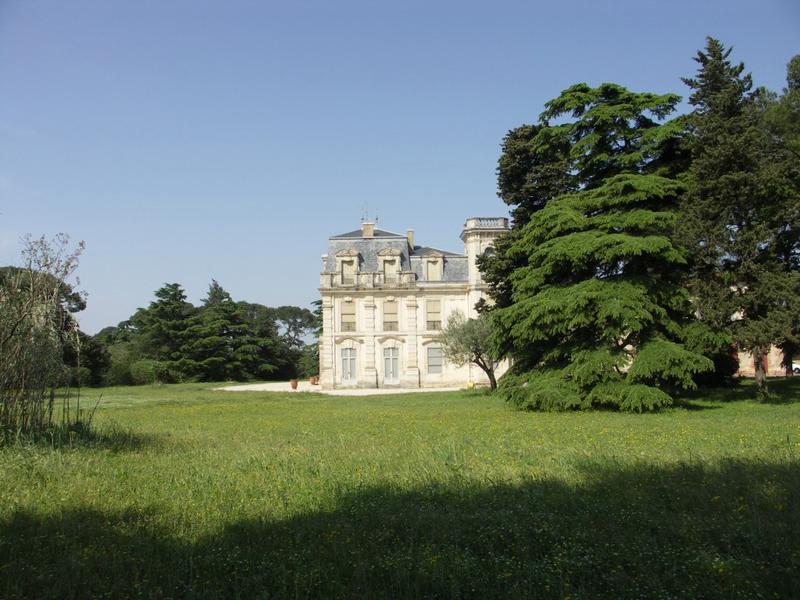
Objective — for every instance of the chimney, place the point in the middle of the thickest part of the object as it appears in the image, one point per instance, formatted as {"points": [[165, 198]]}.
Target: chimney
{"points": [[410, 236], [367, 229]]}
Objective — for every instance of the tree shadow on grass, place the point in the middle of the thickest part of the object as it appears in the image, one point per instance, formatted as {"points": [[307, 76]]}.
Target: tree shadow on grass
{"points": [[783, 390], [86, 435], [724, 531]]}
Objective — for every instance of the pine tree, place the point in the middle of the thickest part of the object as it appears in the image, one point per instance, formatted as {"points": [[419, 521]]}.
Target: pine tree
{"points": [[218, 344], [159, 329], [740, 213], [597, 314], [782, 124], [614, 131]]}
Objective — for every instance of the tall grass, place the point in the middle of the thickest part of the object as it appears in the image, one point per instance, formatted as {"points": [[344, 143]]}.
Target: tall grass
{"points": [[190, 492]]}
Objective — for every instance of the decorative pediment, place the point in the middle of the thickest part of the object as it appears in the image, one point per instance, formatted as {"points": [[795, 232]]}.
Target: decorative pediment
{"points": [[389, 252], [390, 341], [347, 253]]}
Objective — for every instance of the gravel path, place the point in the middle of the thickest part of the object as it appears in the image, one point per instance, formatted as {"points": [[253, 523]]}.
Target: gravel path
{"points": [[304, 386]]}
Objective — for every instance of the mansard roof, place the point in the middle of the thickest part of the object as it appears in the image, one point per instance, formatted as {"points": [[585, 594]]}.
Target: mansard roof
{"points": [[423, 251], [359, 234]]}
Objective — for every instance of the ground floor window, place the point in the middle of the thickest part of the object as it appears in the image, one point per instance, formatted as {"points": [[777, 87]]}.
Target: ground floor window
{"points": [[391, 365], [348, 365], [434, 360]]}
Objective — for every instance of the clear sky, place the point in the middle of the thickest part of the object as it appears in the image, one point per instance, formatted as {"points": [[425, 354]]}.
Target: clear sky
{"points": [[186, 140]]}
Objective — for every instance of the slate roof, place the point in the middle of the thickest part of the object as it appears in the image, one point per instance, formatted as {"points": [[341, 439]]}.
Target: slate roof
{"points": [[358, 233], [427, 251]]}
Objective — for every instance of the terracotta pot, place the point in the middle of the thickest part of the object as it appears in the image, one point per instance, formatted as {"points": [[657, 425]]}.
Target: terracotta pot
{"points": [[293, 383]]}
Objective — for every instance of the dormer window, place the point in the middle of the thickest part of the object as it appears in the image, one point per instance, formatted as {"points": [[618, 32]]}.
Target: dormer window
{"points": [[433, 269], [347, 266], [390, 270], [389, 264], [348, 272]]}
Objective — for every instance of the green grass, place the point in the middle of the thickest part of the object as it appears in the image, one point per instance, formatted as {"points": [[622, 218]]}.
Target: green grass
{"points": [[189, 492]]}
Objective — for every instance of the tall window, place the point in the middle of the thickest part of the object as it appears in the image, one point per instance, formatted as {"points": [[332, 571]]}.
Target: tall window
{"points": [[348, 365], [348, 316], [390, 315], [390, 270], [391, 361], [434, 359], [433, 270], [348, 272], [433, 308]]}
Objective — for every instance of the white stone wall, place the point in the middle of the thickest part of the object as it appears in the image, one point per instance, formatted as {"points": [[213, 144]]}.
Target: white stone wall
{"points": [[773, 368], [412, 339]]}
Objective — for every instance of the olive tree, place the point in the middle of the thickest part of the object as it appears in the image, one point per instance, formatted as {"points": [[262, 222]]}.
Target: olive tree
{"points": [[467, 341], [36, 329]]}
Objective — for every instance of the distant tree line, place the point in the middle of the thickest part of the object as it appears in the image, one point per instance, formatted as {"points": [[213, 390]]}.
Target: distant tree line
{"points": [[645, 251], [171, 340]]}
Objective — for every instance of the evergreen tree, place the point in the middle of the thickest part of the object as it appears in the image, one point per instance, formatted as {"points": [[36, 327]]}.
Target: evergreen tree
{"points": [[740, 214], [597, 313], [782, 124], [614, 131], [159, 329], [218, 343], [276, 357]]}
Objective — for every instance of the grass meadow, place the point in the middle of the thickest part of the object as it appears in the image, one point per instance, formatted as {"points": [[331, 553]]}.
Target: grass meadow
{"points": [[189, 492]]}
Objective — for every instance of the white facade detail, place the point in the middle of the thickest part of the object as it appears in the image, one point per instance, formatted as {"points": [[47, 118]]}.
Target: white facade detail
{"points": [[385, 300]]}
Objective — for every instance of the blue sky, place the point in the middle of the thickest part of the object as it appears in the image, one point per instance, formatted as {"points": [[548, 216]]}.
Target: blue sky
{"points": [[186, 140]]}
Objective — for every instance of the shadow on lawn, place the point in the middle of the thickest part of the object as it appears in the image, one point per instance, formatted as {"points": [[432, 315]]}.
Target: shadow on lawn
{"points": [[732, 530], [783, 390], [87, 435]]}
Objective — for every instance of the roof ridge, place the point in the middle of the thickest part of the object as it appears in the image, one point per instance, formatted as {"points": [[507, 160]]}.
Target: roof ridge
{"points": [[357, 233]]}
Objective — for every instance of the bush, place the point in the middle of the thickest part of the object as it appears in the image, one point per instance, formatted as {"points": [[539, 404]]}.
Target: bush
{"points": [[147, 371], [80, 376]]}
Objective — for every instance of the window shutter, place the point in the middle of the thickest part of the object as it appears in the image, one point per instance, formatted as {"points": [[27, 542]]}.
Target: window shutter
{"points": [[435, 360], [348, 316], [434, 314], [348, 271], [390, 315], [434, 271]]}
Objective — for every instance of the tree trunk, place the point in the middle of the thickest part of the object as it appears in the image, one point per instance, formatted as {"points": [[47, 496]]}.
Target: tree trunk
{"points": [[788, 363], [761, 374], [488, 368], [492, 380]]}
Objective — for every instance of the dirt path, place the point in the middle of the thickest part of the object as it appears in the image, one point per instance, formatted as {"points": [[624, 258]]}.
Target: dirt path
{"points": [[304, 386]]}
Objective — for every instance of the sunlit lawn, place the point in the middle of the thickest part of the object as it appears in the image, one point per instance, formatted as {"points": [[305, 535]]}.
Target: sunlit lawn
{"points": [[188, 491]]}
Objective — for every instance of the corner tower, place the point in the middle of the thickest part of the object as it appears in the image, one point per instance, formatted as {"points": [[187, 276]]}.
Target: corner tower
{"points": [[478, 236]]}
